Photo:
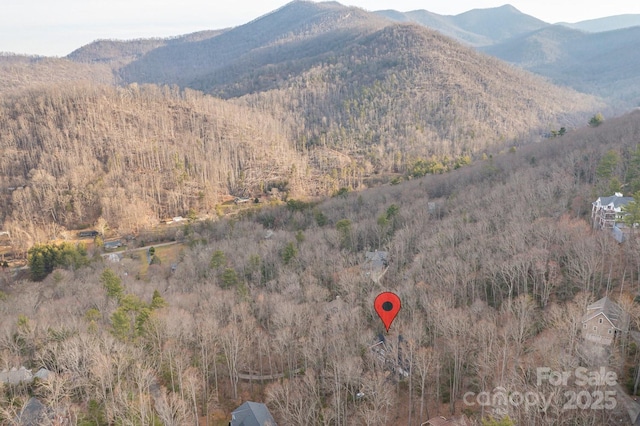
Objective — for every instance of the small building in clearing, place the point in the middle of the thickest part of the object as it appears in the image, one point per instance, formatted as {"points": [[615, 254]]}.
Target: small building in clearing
{"points": [[110, 245]]}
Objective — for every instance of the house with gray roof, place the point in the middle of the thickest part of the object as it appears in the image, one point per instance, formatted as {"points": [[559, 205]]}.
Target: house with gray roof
{"points": [[110, 245], [603, 321], [252, 414], [607, 211]]}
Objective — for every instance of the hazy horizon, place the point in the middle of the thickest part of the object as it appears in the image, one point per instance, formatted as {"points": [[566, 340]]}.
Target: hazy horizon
{"points": [[39, 27]]}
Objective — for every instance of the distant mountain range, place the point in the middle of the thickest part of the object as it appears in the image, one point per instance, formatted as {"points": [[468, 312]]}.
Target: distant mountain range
{"points": [[598, 56], [482, 27], [605, 64], [609, 23], [478, 27]]}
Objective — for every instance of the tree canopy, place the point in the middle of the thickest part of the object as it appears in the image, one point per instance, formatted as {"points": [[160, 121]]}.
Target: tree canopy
{"points": [[42, 259]]}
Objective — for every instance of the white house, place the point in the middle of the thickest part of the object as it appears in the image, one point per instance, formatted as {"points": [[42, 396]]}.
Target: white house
{"points": [[606, 211]]}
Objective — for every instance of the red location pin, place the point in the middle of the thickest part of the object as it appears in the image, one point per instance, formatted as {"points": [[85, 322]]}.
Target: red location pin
{"points": [[387, 305]]}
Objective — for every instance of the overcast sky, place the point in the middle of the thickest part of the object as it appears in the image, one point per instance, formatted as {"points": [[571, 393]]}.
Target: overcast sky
{"points": [[57, 27]]}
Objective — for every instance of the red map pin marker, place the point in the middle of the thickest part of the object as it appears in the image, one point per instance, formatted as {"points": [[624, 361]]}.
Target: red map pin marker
{"points": [[387, 305]]}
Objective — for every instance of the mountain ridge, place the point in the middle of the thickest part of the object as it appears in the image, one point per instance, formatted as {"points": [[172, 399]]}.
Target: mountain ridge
{"points": [[476, 27], [565, 54], [600, 63], [608, 23], [296, 20], [333, 55], [120, 52]]}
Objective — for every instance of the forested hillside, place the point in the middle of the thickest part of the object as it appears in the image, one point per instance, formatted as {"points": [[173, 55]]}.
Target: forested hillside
{"points": [[298, 30], [341, 133], [339, 66], [118, 53], [303, 34], [404, 94], [494, 264], [317, 97], [25, 72], [600, 63], [133, 155]]}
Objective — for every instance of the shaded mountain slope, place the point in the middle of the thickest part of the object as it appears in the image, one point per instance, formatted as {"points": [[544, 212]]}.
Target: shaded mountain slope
{"points": [[601, 63], [499, 23], [547, 45], [293, 23], [118, 53], [441, 23], [409, 89], [604, 64]]}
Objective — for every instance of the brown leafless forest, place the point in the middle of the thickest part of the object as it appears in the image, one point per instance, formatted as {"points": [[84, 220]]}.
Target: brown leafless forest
{"points": [[131, 156], [338, 133], [494, 263]]}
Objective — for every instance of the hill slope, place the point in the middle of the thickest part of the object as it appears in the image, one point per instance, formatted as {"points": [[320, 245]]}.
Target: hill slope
{"points": [[507, 243], [402, 88], [270, 37], [499, 23], [131, 155], [441, 23], [545, 46], [364, 85], [118, 53], [330, 93], [19, 72], [601, 63]]}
